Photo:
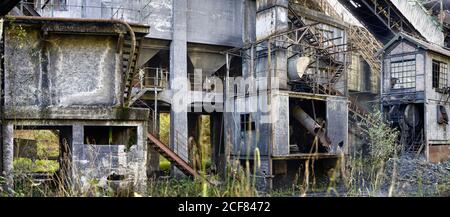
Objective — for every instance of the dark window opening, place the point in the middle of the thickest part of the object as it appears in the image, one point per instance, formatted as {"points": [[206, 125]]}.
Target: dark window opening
{"points": [[442, 115], [439, 75], [108, 135], [247, 124]]}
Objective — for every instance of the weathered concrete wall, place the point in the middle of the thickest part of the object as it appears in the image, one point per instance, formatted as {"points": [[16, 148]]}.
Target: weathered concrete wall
{"points": [[281, 125], [97, 162], [337, 124], [215, 22], [435, 133], [244, 142], [62, 70], [209, 21]]}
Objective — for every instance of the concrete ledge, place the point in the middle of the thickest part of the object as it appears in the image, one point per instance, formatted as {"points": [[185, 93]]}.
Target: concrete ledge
{"points": [[76, 113]]}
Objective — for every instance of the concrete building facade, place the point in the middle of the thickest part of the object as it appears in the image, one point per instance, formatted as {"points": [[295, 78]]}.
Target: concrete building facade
{"points": [[271, 76]]}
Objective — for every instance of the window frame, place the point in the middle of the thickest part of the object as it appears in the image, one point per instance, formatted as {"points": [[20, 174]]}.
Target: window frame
{"points": [[405, 73], [439, 71], [247, 123]]}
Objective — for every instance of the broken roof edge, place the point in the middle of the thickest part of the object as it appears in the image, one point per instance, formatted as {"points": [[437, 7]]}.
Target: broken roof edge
{"points": [[137, 28], [419, 42]]}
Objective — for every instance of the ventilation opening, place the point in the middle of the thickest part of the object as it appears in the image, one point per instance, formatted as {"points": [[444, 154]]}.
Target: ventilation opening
{"points": [[110, 135]]}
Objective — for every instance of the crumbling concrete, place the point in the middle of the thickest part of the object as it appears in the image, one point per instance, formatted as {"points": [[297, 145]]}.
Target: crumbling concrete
{"points": [[58, 79]]}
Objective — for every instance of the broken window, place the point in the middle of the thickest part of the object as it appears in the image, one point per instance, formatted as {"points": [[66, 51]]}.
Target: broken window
{"points": [[439, 75], [403, 74], [247, 124]]}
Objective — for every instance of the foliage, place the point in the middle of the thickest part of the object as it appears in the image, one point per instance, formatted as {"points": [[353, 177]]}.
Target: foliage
{"points": [[164, 132], [17, 33], [366, 173], [382, 140], [27, 165]]}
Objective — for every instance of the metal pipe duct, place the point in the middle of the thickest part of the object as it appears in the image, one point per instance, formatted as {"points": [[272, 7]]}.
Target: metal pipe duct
{"points": [[297, 66], [311, 125]]}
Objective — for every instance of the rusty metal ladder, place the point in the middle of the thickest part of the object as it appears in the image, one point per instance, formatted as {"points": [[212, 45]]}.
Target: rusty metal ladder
{"points": [[130, 57]]}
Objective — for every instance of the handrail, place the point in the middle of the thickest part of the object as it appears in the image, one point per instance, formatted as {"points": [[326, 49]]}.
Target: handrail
{"points": [[134, 14]]}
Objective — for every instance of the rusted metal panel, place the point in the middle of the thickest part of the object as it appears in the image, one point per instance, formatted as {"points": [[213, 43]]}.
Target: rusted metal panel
{"points": [[337, 124]]}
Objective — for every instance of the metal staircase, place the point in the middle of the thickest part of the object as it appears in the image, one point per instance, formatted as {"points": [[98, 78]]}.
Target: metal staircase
{"points": [[314, 37], [356, 112], [361, 40], [173, 155], [367, 46], [130, 56]]}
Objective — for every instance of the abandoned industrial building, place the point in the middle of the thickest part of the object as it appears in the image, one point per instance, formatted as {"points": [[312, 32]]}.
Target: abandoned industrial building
{"points": [[280, 82]]}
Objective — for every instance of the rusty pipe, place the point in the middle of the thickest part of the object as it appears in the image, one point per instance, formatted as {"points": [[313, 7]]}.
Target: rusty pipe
{"points": [[311, 125]]}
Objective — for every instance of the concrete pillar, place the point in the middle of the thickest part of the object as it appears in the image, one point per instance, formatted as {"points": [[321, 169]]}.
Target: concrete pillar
{"points": [[271, 19], [78, 156], [178, 80], [8, 155]]}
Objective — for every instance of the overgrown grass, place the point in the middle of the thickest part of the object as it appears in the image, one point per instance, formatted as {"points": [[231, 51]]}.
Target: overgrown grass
{"points": [[365, 169], [362, 173]]}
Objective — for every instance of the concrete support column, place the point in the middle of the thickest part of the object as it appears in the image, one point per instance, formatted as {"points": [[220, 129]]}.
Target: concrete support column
{"points": [[78, 156], [271, 19], [178, 80], [8, 155]]}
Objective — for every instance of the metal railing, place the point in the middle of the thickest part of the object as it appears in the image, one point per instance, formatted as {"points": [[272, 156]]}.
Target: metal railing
{"points": [[180, 139], [203, 82], [150, 77], [106, 10]]}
